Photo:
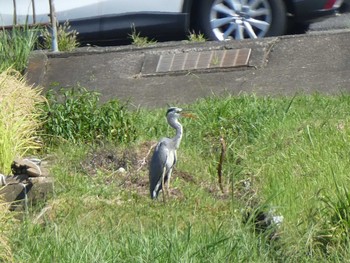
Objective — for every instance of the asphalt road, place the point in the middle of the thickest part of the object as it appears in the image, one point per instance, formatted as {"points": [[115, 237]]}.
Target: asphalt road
{"points": [[333, 23]]}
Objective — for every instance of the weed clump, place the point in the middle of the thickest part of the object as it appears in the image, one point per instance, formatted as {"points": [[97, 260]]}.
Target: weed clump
{"points": [[15, 46], [333, 220], [139, 40], [67, 38], [75, 114], [196, 37]]}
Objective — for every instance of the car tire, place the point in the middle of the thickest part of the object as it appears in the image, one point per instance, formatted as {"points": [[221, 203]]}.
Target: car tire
{"points": [[217, 20], [297, 28]]}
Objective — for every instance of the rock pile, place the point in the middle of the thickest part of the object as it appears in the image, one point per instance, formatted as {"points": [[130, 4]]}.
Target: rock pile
{"points": [[31, 167], [29, 183]]}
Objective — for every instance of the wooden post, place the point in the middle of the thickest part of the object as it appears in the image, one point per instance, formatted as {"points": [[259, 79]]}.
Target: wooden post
{"points": [[54, 26]]}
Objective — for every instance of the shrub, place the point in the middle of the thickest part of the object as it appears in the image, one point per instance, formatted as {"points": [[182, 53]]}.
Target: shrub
{"points": [[75, 114], [19, 121], [67, 38]]}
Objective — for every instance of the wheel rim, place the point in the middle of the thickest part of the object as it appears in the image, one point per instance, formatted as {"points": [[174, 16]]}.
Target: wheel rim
{"points": [[240, 19]]}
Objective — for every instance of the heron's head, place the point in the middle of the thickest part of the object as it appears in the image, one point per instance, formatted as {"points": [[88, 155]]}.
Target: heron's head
{"points": [[175, 113]]}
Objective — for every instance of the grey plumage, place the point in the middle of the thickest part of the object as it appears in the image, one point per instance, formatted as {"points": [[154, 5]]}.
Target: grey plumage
{"points": [[164, 155]]}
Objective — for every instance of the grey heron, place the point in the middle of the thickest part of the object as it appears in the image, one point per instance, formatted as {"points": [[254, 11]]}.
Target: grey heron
{"points": [[164, 155]]}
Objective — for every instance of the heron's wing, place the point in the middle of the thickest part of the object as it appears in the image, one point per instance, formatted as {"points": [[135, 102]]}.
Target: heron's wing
{"points": [[157, 165]]}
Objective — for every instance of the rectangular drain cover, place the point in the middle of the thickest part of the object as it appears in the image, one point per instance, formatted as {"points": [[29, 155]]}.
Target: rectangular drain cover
{"points": [[196, 60]]}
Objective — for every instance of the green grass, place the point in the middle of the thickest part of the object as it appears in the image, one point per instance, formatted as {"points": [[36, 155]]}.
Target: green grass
{"points": [[138, 40], [17, 43], [287, 155], [15, 47]]}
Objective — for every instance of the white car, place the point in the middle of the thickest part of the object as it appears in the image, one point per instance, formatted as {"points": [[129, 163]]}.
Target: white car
{"points": [[98, 20]]}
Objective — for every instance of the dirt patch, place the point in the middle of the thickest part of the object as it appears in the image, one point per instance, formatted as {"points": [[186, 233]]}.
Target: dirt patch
{"points": [[127, 168], [111, 159]]}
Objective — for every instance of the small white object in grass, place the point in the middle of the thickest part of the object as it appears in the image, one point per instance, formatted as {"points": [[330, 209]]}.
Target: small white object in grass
{"points": [[2, 180], [277, 220], [121, 170]]}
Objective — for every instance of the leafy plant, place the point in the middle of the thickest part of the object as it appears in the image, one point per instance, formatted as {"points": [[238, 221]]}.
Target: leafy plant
{"points": [[138, 40], [15, 47], [196, 37], [67, 38], [75, 114]]}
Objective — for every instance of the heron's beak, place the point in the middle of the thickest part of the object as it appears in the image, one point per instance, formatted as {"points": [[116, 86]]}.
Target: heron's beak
{"points": [[188, 115]]}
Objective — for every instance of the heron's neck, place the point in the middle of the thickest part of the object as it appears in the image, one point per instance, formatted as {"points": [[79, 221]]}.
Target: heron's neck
{"points": [[174, 123]]}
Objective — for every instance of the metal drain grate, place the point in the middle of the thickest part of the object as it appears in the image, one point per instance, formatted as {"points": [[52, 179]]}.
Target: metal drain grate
{"points": [[203, 60]]}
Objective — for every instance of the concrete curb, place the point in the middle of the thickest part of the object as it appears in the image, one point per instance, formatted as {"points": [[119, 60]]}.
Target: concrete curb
{"points": [[317, 62]]}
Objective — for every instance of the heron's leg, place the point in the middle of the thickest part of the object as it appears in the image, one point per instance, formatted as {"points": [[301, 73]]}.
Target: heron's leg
{"points": [[163, 186], [168, 182]]}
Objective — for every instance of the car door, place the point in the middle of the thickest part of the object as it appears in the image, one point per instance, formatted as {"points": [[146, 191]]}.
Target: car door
{"points": [[151, 17], [101, 19], [83, 15]]}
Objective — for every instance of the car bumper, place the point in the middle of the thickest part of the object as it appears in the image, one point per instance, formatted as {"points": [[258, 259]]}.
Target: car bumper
{"points": [[308, 11], [319, 15]]}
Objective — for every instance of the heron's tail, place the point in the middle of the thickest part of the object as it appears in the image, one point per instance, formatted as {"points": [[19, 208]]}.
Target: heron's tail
{"points": [[154, 189]]}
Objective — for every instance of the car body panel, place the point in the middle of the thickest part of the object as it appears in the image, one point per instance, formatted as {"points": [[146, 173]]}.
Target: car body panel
{"points": [[114, 19], [81, 9], [119, 27]]}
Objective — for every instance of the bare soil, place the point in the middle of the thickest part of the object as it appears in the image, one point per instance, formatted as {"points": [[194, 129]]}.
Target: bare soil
{"points": [[127, 168]]}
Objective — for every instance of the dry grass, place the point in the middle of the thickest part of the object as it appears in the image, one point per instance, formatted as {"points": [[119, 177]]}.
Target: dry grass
{"points": [[18, 118], [7, 224]]}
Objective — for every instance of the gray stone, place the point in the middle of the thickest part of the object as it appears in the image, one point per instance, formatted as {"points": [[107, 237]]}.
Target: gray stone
{"points": [[23, 191], [31, 167]]}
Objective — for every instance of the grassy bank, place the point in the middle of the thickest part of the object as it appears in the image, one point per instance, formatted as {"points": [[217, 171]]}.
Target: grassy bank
{"points": [[285, 157]]}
